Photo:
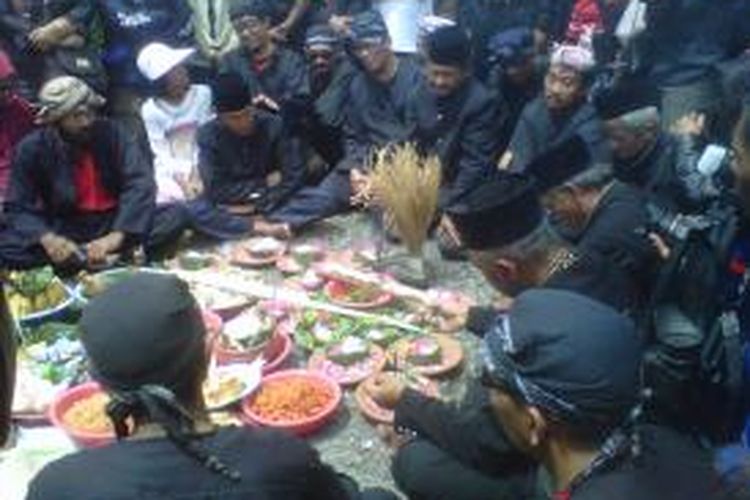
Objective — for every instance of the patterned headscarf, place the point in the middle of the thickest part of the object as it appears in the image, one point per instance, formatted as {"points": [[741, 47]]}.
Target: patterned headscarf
{"points": [[64, 94]]}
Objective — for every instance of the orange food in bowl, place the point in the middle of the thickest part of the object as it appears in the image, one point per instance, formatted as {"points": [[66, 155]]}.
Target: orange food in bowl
{"points": [[89, 415], [291, 400]]}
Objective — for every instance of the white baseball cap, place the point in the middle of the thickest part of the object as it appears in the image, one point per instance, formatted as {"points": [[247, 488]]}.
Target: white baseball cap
{"points": [[157, 59]]}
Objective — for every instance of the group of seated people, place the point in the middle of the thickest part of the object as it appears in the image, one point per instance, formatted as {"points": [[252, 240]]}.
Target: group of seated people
{"points": [[279, 136], [555, 148]]}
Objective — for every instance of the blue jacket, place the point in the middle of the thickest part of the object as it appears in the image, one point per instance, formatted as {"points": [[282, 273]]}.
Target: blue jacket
{"points": [[131, 24]]}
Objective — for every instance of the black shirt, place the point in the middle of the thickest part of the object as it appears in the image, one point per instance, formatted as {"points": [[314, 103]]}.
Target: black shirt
{"points": [[595, 277], [587, 273], [539, 131], [273, 466], [656, 172], [616, 231], [283, 78], [464, 131], [234, 168], [377, 113], [669, 468]]}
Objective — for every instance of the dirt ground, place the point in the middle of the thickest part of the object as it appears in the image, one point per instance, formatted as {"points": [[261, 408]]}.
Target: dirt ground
{"points": [[351, 444]]}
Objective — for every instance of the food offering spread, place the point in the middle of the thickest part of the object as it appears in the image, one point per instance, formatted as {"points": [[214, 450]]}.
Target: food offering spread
{"points": [[267, 306]]}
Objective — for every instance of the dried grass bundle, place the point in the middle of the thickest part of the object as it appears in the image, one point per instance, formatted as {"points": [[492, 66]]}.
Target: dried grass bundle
{"points": [[406, 185]]}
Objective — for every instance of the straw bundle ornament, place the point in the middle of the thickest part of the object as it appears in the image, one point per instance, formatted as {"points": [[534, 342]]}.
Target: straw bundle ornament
{"points": [[405, 185]]}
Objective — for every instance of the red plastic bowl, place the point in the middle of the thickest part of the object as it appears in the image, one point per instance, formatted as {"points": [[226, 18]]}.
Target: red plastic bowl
{"points": [[63, 402], [273, 364], [335, 290], [305, 426]]}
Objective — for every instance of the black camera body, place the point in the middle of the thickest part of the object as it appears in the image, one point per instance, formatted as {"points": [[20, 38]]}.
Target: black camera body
{"points": [[693, 364]]}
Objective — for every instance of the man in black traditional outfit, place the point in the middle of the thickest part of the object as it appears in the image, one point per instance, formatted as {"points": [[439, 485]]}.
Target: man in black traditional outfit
{"points": [[560, 113], [661, 163], [461, 452], [594, 211], [247, 164], [81, 189], [377, 103], [516, 74], [562, 372], [273, 74], [320, 120], [454, 115]]}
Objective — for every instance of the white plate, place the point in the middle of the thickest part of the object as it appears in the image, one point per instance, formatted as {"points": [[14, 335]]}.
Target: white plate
{"points": [[249, 374]]}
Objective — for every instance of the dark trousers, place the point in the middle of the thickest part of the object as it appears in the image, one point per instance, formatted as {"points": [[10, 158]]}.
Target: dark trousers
{"points": [[425, 472], [17, 251], [461, 452], [208, 220], [311, 204]]}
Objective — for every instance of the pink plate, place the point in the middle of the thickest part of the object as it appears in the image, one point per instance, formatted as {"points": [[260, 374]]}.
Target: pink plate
{"points": [[336, 290], [349, 375]]}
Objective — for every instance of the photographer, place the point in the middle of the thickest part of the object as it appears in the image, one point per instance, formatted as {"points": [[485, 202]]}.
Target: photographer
{"points": [[700, 307]]}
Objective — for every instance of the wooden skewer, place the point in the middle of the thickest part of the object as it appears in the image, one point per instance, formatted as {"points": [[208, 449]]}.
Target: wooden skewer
{"points": [[259, 290]]}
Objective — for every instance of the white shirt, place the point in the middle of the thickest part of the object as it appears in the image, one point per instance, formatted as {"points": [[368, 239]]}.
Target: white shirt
{"points": [[171, 131]]}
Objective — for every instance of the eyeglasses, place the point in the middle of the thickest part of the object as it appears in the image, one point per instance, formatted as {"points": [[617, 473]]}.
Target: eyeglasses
{"points": [[247, 24]]}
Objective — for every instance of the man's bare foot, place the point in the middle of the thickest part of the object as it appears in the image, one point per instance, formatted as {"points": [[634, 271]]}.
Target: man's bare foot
{"points": [[263, 227]]}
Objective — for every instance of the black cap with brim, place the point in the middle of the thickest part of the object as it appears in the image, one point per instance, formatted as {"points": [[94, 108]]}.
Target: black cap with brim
{"points": [[559, 164], [145, 330], [498, 212], [626, 97], [569, 354]]}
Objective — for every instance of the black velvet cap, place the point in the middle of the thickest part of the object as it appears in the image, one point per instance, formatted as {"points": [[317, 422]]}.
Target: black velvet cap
{"points": [[568, 354], [449, 46], [145, 330], [560, 164], [230, 93], [498, 212], [625, 97]]}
